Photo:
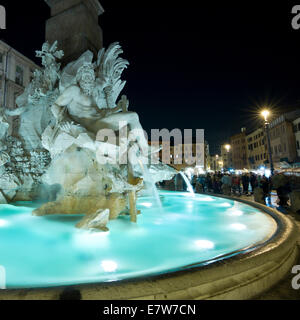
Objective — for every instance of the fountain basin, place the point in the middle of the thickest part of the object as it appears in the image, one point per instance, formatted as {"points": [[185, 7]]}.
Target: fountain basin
{"points": [[199, 242]]}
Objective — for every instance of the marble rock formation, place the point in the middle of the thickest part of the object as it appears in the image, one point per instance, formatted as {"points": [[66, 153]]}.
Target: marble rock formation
{"points": [[115, 202], [74, 136], [20, 170], [97, 220]]}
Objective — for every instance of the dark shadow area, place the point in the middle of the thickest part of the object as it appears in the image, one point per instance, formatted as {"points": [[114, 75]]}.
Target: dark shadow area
{"points": [[70, 294]]}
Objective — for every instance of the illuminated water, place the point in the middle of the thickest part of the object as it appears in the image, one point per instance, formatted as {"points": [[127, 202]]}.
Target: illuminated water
{"points": [[188, 184], [49, 251]]}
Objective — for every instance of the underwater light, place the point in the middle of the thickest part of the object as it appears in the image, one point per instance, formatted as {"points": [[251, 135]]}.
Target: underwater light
{"points": [[109, 266], [238, 226], [3, 223], [204, 244], [236, 213], [225, 205]]}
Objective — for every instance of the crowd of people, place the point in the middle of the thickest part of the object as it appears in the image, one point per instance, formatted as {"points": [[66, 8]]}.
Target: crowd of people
{"points": [[245, 184], [238, 184]]}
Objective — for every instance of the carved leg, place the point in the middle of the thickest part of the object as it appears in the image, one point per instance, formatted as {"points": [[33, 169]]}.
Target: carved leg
{"points": [[132, 204]]}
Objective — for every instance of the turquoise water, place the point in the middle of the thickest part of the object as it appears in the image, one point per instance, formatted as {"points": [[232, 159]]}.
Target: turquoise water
{"points": [[50, 251]]}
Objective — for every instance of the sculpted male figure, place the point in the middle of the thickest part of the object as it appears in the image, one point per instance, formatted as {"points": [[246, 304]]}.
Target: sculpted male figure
{"points": [[79, 104]]}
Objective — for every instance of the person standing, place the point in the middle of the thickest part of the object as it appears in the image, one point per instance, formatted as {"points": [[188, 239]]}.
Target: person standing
{"points": [[194, 182], [236, 184], [253, 182], [208, 183], [245, 183], [264, 184], [283, 188]]}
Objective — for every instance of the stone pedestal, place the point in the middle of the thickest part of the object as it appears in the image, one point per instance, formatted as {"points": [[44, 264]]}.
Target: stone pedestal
{"points": [[74, 24]]}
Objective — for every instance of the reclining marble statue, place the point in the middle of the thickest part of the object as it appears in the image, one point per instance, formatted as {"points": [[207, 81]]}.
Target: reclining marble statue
{"points": [[75, 116]]}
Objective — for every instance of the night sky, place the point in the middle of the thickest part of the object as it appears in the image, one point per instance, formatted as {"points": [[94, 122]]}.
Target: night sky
{"points": [[192, 64]]}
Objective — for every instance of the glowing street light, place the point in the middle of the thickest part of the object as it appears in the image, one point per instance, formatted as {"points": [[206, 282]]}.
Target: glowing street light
{"points": [[266, 113], [227, 147]]}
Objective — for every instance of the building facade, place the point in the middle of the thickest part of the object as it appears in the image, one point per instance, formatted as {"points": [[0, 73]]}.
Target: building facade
{"points": [[187, 155], [181, 156], [239, 150], [206, 156], [296, 126], [283, 140], [216, 163], [16, 72], [226, 156], [257, 149]]}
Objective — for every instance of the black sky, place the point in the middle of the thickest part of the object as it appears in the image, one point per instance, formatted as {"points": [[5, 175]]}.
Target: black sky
{"points": [[193, 64]]}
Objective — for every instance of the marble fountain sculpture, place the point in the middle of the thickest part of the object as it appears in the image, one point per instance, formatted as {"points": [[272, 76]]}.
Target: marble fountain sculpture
{"points": [[78, 146], [80, 151]]}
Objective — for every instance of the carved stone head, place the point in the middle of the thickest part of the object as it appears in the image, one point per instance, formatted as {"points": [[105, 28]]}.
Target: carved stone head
{"points": [[86, 78]]}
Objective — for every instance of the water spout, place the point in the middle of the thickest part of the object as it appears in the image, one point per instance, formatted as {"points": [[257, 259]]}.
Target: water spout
{"points": [[150, 185], [188, 184]]}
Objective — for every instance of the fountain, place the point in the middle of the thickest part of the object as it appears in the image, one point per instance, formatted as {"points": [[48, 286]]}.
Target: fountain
{"points": [[69, 114], [80, 160], [188, 184]]}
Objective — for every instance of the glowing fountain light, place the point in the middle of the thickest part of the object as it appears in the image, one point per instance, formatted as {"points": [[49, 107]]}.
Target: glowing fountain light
{"points": [[236, 213], [3, 223], [224, 205], [204, 244], [109, 266], [238, 226]]}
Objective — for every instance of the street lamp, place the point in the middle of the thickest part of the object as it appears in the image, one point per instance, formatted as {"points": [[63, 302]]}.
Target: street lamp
{"points": [[265, 113], [221, 164], [226, 158], [227, 147]]}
